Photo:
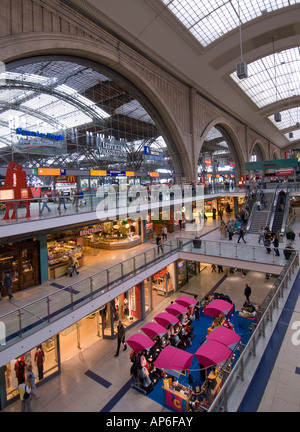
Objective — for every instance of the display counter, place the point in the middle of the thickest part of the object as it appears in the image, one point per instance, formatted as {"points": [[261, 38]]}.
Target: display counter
{"points": [[176, 400], [58, 257], [114, 243]]}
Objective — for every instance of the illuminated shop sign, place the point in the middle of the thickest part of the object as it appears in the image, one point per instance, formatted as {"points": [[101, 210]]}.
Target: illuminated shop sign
{"points": [[50, 136], [39, 142]]}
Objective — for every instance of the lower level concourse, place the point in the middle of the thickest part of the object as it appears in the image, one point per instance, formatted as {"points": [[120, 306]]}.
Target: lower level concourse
{"points": [[92, 379]]}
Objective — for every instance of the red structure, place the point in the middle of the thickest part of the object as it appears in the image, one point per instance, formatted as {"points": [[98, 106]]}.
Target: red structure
{"points": [[15, 191]]}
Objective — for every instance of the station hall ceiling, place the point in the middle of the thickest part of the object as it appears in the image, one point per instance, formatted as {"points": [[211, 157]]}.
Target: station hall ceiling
{"points": [[201, 42]]}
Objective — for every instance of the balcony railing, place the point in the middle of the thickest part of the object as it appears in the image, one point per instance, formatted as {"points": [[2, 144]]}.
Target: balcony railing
{"points": [[32, 317]]}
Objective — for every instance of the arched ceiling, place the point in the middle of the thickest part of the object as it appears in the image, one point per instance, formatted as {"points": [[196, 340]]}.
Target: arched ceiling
{"points": [[201, 43]]}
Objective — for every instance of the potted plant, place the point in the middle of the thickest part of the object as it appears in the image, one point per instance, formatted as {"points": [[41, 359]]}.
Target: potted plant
{"points": [[290, 235]]}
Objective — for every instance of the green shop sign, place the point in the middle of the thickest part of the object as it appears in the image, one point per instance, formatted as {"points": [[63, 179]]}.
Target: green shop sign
{"points": [[271, 164]]}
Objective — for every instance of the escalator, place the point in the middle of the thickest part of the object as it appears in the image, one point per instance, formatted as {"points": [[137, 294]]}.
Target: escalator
{"points": [[280, 212]]}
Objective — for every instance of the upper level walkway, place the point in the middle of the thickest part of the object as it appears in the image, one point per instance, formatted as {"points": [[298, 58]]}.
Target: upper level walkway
{"points": [[47, 309], [279, 387]]}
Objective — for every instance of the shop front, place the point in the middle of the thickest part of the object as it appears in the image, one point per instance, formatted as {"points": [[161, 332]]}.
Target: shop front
{"points": [[44, 360], [113, 235], [159, 286], [21, 260], [88, 240]]}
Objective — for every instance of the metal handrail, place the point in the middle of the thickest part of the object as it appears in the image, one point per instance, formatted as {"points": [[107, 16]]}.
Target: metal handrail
{"points": [[258, 328]]}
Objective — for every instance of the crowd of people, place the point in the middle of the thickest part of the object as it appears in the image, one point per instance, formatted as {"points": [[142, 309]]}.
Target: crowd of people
{"points": [[143, 372]]}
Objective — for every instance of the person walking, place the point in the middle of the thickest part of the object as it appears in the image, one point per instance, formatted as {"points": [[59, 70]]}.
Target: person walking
{"points": [[45, 201], [31, 382], [261, 235], [61, 200], [159, 244], [8, 282], [121, 337], [213, 268], [276, 244], [241, 235], [24, 391], [164, 232], [197, 307], [247, 292]]}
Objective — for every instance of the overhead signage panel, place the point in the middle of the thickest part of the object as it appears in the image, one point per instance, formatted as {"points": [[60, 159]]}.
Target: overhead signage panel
{"points": [[43, 143], [111, 149], [271, 164]]}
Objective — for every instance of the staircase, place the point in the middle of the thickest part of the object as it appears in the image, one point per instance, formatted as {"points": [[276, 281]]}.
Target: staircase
{"points": [[260, 218]]}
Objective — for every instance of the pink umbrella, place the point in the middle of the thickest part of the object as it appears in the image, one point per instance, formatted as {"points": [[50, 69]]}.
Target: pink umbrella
{"points": [[166, 319], [176, 309], [225, 336], [153, 329], [186, 301], [212, 353], [216, 307], [174, 358], [139, 342]]}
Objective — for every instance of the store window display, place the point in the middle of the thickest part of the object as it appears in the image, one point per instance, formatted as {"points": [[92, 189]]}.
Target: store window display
{"points": [[21, 261], [59, 253], [16, 369]]}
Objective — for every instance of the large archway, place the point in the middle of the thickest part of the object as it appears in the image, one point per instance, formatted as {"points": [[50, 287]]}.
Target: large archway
{"points": [[220, 154], [86, 103]]}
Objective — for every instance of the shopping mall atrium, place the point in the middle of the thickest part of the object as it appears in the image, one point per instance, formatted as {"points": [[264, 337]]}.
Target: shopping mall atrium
{"points": [[149, 175]]}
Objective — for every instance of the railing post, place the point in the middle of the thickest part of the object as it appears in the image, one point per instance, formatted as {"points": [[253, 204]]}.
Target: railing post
{"points": [[107, 278], [91, 286], [122, 270], [20, 323], [253, 253], [48, 308], [134, 266], [71, 292]]}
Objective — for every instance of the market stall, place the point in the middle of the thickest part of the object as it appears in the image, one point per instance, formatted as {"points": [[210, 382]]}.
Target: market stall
{"points": [[186, 301], [176, 396], [248, 315]]}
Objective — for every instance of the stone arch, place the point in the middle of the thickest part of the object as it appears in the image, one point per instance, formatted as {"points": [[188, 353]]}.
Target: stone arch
{"points": [[259, 149], [275, 155], [231, 139], [31, 47]]}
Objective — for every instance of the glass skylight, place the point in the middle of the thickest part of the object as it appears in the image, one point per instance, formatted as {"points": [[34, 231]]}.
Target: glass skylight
{"points": [[289, 118], [209, 20], [135, 110], [263, 86]]}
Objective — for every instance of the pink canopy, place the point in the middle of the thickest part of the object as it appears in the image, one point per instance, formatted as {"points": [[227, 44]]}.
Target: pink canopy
{"points": [[139, 342], [212, 353], [216, 307], [174, 358], [165, 319], [225, 336], [153, 329], [186, 301], [176, 309]]}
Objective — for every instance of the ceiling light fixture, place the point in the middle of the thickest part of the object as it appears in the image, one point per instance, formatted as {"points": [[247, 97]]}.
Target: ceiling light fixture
{"points": [[241, 68]]}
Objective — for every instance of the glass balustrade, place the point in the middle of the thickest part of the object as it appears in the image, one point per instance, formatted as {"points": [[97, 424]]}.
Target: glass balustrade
{"points": [[32, 317]]}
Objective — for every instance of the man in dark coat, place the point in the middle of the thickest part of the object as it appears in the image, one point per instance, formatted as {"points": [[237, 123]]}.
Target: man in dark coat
{"points": [[121, 337], [247, 292]]}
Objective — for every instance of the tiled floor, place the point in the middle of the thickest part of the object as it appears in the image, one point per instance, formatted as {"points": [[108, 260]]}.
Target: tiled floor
{"points": [[74, 391]]}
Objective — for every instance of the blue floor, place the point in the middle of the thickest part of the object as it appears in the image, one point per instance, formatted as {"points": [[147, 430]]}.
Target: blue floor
{"points": [[200, 330], [255, 391]]}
